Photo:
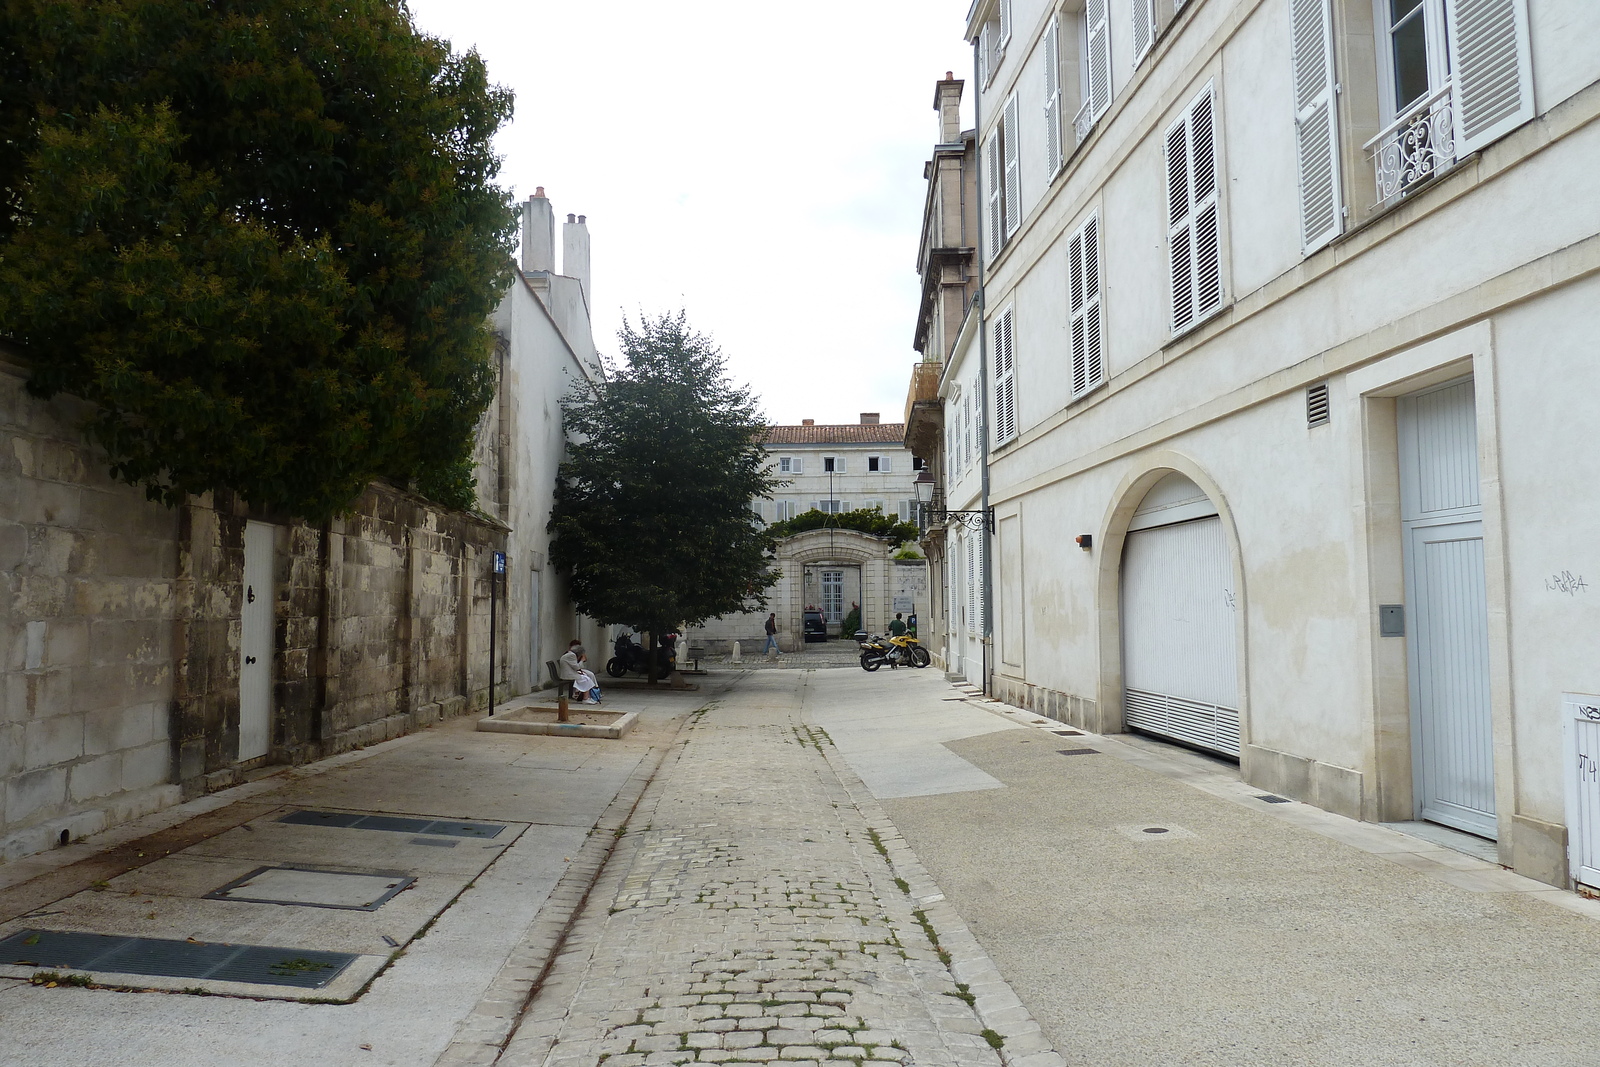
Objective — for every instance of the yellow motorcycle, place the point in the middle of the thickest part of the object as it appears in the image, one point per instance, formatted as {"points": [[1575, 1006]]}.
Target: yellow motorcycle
{"points": [[895, 651]]}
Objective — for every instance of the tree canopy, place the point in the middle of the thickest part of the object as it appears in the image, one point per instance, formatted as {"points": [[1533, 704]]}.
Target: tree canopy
{"points": [[867, 520], [652, 517], [262, 236]]}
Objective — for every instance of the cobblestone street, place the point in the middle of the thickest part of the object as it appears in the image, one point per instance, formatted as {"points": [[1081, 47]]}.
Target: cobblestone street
{"points": [[751, 914]]}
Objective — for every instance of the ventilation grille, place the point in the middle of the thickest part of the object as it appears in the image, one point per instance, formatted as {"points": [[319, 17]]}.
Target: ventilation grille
{"points": [[1317, 404]]}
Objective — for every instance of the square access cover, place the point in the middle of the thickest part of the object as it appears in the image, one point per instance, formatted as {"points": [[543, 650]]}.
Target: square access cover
{"points": [[315, 888]]}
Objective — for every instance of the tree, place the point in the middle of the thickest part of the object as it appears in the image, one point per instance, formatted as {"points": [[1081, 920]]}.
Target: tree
{"points": [[652, 518], [262, 236], [867, 520]]}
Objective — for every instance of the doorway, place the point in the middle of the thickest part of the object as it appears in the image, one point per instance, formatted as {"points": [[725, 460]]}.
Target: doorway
{"points": [[1442, 522], [255, 644]]}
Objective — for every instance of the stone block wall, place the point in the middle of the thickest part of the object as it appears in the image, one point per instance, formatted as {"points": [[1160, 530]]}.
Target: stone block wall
{"points": [[120, 630], [88, 598]]}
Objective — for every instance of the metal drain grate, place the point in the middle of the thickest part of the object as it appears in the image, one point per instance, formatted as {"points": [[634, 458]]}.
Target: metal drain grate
{"points": [[1079, 751], [1270, 799], [397, 823], [1067, 733], [301, 967], [313, 887]]}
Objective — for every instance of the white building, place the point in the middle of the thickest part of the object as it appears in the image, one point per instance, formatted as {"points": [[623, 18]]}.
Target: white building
{"points": [[842, 467], [1286, 349], [545, 344]]}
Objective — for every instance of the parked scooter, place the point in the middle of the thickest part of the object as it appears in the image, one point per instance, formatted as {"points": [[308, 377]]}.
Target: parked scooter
{"points": [[629, 656], [900, 651]]}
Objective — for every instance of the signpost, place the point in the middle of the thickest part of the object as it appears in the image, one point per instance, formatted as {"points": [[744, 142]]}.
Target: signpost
{"points": [[498, 569]]}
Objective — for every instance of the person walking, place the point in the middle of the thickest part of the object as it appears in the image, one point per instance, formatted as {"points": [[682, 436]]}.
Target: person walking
{"points": [[898, 626], [772, 633]]}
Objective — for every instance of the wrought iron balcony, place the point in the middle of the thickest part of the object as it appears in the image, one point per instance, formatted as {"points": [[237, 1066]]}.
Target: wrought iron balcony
{"points": [[1083, 123], [1417, 146]]}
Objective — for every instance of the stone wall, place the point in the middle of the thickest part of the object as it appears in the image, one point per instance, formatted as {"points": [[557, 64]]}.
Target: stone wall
{"points": [[120, 623]]}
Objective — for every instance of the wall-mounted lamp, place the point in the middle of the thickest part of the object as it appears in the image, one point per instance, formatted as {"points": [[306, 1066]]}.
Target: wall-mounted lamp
{"points": [[932, 512], [1085, 541]]}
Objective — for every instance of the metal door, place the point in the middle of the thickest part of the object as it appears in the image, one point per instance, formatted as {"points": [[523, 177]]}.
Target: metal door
{"points": [[255, 643], [1581, 719], [1448, 646], [1179, 663]]}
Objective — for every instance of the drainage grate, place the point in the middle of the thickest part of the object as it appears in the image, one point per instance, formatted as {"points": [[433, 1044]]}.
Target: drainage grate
{"points": [[434, 842], [1078, 751], [313, 887], [1067, 733], [302, 967], [1270, 799], [397, 823]]}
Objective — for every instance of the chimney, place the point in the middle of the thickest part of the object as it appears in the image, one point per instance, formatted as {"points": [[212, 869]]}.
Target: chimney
{"points": [[575, 252], [947, 102], [808, 422], [538, 234], [869, 418]]}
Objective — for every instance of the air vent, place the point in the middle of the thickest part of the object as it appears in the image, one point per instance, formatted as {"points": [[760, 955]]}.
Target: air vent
{"points": [[1317, 404]]}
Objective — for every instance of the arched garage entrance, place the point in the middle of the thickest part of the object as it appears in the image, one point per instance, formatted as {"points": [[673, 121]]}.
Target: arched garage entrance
{"points": [[1179, 657]]}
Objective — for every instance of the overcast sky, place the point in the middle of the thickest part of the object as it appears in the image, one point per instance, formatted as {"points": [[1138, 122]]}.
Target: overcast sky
{"points": [[760, 169]]}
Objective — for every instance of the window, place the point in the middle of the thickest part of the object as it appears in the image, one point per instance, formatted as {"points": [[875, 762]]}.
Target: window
{"points": [[831, 507], [831, 465], [1005, 374], [908, 511], [917, 463], [1094, 71], [1193, 233], [872, 463], [783, 509], [1002, 165], [1083, 284], [992, 40], [1144, 28], [759, 511], [869, 505], [785, 465], [1316, 122], [1055, 156], [833, 595], [966, 426]]}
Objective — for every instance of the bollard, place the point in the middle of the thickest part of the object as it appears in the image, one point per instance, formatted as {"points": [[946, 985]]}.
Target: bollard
{"points": [[735, 657], [561, 704]]}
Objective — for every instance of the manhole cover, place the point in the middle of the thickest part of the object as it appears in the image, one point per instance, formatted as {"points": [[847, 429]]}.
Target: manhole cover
{"points": [[1078, 751], [1153, 832], [109, 954], [402, 824], [1155, 829], [312, 888]]}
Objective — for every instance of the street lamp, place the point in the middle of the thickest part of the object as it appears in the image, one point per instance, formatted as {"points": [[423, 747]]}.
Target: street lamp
{"points": [[932, 512]]}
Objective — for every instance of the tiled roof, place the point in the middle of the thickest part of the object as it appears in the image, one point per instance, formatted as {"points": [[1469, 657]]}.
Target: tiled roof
{"points": [[850, 433]]}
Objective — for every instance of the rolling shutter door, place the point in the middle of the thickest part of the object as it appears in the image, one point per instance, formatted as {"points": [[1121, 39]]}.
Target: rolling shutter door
{"points": [[1180, 669]]}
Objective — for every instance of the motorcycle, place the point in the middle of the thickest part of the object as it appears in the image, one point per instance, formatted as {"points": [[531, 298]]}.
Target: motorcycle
{"points": [[629, 655], [904, 650]]}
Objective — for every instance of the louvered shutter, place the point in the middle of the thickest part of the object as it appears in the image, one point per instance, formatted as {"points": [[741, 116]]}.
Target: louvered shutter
{"points": [[1005, 406], [997, 209], [799, 466], [886, 464], [986, 54], [1005, 23], [1083, 279], [1099, 35], [1144, 28], [1009, 136], [1488, 42], [1052, 96], [972, 584], [1193, 231], [1316, 124]]}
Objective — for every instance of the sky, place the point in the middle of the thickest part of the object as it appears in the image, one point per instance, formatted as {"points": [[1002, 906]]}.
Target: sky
{"points": [[758, 168]]}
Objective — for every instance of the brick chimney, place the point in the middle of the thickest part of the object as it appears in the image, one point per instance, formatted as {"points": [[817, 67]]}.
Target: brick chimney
{"points": [[538, 234], [947, 102], [575, 252], [808, 422], [869, 418]]}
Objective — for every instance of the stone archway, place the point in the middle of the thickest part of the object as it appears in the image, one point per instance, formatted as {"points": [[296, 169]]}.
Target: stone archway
{"points": [[822, 549]]}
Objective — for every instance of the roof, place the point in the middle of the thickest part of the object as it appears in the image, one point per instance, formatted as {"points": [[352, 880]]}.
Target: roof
{"points": [[850, 433]]}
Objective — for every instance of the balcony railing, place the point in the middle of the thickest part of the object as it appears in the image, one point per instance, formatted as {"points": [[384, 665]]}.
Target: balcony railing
{"points": [[1417, 146], [1083, 123]]}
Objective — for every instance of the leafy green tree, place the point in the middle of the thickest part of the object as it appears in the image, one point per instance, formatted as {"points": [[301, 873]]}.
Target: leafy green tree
{"points": [[652, 517], [867, 520], [262, 236]]}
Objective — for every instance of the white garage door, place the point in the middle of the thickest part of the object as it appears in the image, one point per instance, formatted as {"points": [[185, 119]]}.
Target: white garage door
{"points": [[1180, 671]]}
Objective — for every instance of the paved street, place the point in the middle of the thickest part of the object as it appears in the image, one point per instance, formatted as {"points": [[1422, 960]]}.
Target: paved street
{"points": [[822, 866]]}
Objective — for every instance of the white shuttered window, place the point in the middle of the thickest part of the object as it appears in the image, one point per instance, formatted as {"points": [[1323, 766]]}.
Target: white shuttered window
{"points": [[1054, 156], [994, 174], [1083, 283], [1144, 28], [1193, 232], [1488, 42], [1004, 396], [1316, 124], [1098, 46], [1013, 171]]}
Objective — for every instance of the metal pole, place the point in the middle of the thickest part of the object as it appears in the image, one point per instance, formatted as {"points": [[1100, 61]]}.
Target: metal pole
{"points": [[984, 541], [494, 588]]}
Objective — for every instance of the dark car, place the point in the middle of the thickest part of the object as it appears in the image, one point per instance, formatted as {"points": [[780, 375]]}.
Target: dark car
{"points": [[814, 626]]}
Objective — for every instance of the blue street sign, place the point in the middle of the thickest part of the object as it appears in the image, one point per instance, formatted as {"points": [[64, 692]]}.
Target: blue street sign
{"points": [[499, 562]]}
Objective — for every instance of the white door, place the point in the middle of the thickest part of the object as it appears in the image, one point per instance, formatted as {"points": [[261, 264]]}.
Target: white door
{"points": [[255, 643], [1581, 719], [1179, 661], [1448, 643]]}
